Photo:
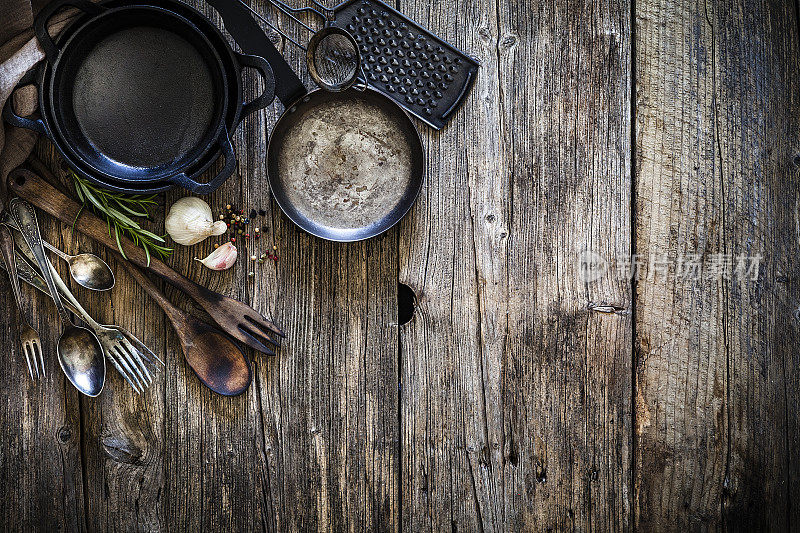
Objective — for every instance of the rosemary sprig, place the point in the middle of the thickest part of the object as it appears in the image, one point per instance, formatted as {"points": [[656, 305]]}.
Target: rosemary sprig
{"points": [[118, 209]]}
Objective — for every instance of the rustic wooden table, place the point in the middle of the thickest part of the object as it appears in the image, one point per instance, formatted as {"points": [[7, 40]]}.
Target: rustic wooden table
{"points": [[524, 394]]}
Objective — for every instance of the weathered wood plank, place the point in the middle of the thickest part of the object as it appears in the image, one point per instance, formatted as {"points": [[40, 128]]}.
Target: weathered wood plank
{"points": [[122, 437], [451, 424], [329, 402], [717, 362], [41, 459], [211, 450], [314, 444], [516, 397]]}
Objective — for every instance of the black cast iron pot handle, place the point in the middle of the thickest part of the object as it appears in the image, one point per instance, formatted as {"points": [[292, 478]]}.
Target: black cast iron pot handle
{"points": [[44, 16], [17, 121], [266, 97], [252, 40], [225, 144], [10, 116]]}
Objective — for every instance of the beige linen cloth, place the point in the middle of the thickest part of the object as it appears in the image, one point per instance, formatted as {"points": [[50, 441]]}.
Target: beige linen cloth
{"points": [[19, 52]]}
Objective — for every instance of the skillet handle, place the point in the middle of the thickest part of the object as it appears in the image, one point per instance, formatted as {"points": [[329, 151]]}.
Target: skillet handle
{"points": [[252, 40], [47, 12], [225, 144], [15, 120], [268, 94]]}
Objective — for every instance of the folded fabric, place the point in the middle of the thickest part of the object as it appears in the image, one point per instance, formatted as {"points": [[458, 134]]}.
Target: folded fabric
{"points": [[18, 55]]}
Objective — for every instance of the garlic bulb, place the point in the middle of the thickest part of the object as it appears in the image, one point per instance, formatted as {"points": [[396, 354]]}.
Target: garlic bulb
{"points": [[190, 221], [222, 258]]}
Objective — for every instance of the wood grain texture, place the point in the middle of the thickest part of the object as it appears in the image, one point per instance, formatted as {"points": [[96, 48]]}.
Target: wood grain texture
{"points": [[314, 443], [516, 396], [521, 396], [717, 131], [329, 402], [122, 439], [41, 457]]}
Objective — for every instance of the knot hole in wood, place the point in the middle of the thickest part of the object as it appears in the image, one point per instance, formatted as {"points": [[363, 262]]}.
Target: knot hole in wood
{"points": [[406, 304]]}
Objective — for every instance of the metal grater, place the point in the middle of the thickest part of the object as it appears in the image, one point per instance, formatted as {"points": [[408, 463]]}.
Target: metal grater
{"points": [[421, 72]]}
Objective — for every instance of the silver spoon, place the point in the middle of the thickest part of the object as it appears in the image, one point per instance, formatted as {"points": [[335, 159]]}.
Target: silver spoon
{"points": [[79, 351], [87, 270]]}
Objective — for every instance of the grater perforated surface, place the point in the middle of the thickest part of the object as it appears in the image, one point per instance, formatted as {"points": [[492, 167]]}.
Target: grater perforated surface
{"points": [[424, 74]]}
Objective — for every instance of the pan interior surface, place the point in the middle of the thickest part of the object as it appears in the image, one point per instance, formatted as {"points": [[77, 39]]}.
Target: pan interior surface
{"points": [[143, 97], [347, 165], [232, 112]]}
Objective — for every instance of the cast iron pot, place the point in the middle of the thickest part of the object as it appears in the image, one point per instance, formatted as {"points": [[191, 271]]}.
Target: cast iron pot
{"points": [[237, 111], [138, 98]]}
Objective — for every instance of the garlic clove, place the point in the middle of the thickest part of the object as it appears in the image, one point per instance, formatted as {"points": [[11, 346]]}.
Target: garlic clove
{"points": [[218, 228], [222, 258], [190, 221]]}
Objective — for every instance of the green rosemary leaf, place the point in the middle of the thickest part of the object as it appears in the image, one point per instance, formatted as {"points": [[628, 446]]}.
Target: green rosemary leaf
{"points": [[121, 204], [147, 200], [74, 222], [119, 244], [89, 195], [79, 192], [120, 218], [152, 236], [118, 209]]}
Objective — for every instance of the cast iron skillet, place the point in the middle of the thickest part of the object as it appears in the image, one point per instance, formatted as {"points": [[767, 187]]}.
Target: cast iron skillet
{"points": [[138, 93], [343, 166], [237, 111], [102, 130]]}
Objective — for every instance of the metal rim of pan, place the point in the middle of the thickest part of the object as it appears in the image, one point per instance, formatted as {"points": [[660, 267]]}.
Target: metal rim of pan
{"points": [[377, 227]]}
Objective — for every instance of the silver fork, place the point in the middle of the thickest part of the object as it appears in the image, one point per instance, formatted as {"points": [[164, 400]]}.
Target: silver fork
{"points": [[116, 343], [31, 343]]}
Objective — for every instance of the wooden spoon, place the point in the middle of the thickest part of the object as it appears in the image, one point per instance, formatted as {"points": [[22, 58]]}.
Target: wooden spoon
{"points": [[217, 361]]}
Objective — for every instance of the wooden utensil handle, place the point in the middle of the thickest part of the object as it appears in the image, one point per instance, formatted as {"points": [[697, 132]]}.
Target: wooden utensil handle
{"points": [[31, 187], [174, 314]]}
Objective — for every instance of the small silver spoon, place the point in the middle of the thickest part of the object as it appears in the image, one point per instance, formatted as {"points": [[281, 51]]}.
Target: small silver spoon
{"points": [[79, 351], [88, 270]]}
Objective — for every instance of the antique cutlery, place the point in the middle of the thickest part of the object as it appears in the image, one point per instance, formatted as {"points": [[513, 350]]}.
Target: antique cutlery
{"points": [[237, 319], [31, 344], [79, 351], [134, 351], [120, 351], [87, 270]]}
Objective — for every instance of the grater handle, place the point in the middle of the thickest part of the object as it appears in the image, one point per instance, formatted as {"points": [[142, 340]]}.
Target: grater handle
{"points": [[461, 96]]}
